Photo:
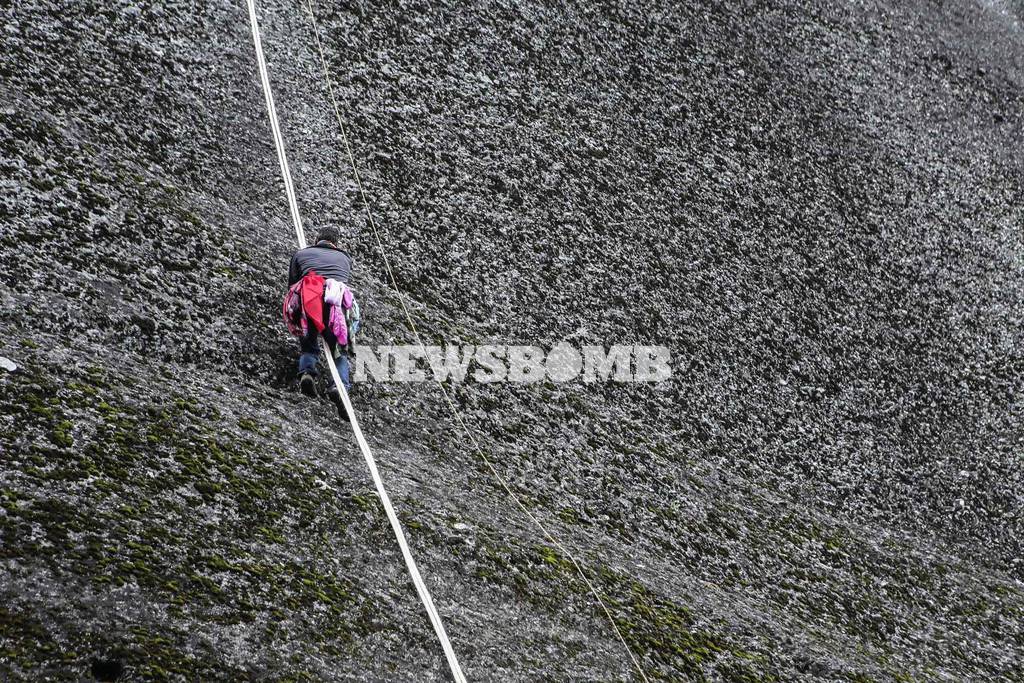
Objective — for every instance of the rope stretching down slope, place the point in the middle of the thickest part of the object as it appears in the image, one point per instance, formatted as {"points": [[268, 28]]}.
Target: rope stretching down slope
{"points": [[448, 398], [364, 447], [421, 588]]}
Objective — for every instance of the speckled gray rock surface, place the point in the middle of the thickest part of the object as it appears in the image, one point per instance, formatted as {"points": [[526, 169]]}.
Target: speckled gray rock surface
{"points": [[817, 207]]}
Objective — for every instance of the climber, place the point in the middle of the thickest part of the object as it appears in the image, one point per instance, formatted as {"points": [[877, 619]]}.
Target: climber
{"points": [[319, 301]]}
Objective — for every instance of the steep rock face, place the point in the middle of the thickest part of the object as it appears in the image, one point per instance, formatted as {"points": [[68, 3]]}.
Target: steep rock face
{"points": [[816, 208]]}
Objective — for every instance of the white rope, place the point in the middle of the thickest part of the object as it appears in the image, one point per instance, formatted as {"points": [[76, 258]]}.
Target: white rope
{"points": [[577, 564], [396, 526], [421, 587], [293, 204]]}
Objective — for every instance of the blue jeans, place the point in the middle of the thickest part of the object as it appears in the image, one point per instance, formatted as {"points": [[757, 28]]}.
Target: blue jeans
{"points": [[309, 360]]}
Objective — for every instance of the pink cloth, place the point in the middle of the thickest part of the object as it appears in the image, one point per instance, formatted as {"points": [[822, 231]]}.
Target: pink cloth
{"points": [[292, 310], [338, 325], [339, 296], [335, 292]]}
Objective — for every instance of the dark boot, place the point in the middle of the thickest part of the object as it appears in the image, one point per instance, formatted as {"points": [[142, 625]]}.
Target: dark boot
{"points": [[335, 397], [306, 384]]}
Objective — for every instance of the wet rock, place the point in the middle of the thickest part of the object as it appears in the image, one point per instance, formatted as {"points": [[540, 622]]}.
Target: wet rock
{"points": [[804, 203]]}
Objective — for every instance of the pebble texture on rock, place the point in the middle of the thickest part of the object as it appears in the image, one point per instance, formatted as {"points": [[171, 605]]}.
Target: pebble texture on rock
{"points": [[817, 206]]}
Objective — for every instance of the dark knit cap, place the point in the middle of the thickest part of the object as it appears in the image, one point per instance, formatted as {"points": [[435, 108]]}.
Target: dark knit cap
{"points": [[329, 233]]}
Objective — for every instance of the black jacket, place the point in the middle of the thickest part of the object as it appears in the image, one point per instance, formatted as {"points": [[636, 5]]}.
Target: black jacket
{"points": [[326, 260]]}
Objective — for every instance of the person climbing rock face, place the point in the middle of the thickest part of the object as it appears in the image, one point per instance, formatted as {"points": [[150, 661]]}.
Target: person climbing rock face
{"points": [[320, 302]]}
